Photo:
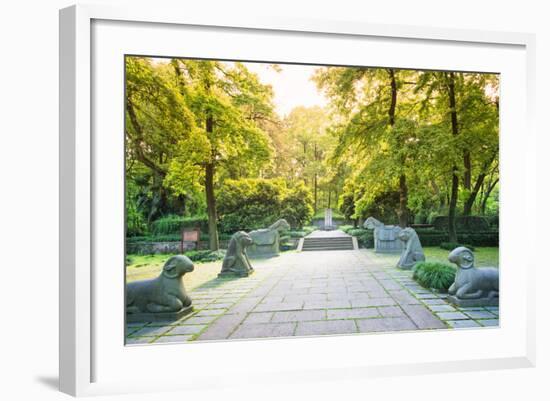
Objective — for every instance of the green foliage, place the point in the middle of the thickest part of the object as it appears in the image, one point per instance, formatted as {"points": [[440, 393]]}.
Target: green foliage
{"points": [[432, 237], [463, 223], [250, 204], [365, 238], [175, 224], [434, 275], [449, 246], [204, 256], [346, 228]]}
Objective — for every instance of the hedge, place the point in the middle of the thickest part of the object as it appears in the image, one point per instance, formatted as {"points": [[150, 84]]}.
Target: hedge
{"points": [[434, 275], [463, 223], [431, 237], [173, 224]]}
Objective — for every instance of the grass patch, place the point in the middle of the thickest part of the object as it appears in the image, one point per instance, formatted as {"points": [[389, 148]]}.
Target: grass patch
{"points": [[434, 275]]}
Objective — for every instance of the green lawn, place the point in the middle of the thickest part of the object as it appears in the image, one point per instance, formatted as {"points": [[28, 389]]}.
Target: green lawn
{"points": [[484, 256], [142, 267]]}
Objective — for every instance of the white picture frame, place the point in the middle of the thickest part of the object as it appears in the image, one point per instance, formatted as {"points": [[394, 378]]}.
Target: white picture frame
{"points": [[84, 352]]}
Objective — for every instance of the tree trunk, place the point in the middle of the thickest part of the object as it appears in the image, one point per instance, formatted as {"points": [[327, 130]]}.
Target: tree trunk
{"points": [[454, 184], [467, 170], [315, 194], [209, 172], [487, 194], [473, 194], [211, 207], [403, 211]]}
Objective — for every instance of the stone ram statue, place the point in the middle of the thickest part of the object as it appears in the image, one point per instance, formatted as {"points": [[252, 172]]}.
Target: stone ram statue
{"points": [[266, 240], [236, 261], [472, 286], [385, 237], [161, 298], [412, 252]]}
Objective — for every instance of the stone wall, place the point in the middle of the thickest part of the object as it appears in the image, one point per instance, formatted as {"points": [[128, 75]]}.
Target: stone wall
{"points": [[148, 248]]}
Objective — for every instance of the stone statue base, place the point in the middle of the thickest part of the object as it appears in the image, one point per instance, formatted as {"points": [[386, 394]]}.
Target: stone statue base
{"points": [[158, 316], [409, 267], [465, 303], [262, 251], [235, 274]]}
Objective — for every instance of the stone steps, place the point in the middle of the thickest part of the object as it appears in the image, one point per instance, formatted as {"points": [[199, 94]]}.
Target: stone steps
{"points": [[328, 244]]}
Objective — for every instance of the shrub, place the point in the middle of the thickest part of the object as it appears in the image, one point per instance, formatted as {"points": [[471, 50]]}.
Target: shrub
{"points": [[205, 255], [434, 275], [449, 246], [173, 224], [433, 237], [249, 204], [463, 223], [346, 228], [365, 238]]}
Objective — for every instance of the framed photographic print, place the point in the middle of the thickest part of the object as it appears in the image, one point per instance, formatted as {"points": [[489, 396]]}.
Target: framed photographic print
{"points": [[239, 194]]}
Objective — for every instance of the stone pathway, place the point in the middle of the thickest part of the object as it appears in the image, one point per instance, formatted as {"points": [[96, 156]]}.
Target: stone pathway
{"points": [[313, 293]]}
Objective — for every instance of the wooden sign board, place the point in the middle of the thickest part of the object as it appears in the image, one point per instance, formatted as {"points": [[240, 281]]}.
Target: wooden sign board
{"points": [[191, 235]]}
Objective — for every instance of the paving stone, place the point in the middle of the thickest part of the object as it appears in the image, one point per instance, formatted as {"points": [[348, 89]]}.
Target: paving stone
{"points": [[138, 340], [342, 303], [480, 314], [390, 284], [462, 324], [358, 313], [198, 320], [441, 308], [222, 327], [173, 339], [299, 316], [438, 301], [281, 306], [427, 296], [391, 311], [423, 317], [360, 303], [151, 331], [451, 315], [260, 317], [264, 330], [273, 299], [211, 312], [404, 297], [220, 305], [305, 297], [489, 322], [245, 305], [492, 308], [378, 294], [326, 327], [385, 324], [190, 329]]}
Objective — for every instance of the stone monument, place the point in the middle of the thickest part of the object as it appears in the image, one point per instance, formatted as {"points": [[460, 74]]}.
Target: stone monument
{"points": [[162, 298], [328, 220], [473, 286], [236, 261], [266, 241], [385, 237], [412, 251]]}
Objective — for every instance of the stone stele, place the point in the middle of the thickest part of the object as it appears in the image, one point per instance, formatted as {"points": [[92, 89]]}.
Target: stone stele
{"points": [[163, 298], [412, 251], [266, 241], [472, 286], [236, 262], [385, 237]]}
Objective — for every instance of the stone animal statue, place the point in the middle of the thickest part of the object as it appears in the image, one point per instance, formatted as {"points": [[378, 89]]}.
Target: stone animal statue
{"points": [[266, 240], [236, 259], [385, 237], [412, 251], [471, 282], [164, 293]]}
